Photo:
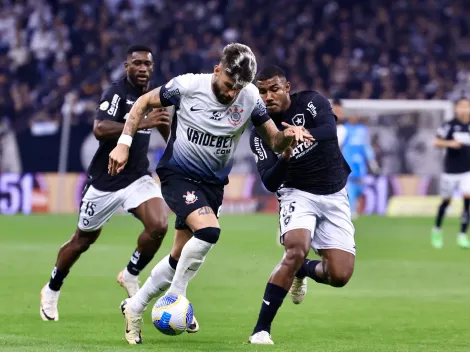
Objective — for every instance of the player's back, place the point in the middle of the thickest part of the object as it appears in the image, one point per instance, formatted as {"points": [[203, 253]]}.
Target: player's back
{"points": [[115, 104], [204, 132]]}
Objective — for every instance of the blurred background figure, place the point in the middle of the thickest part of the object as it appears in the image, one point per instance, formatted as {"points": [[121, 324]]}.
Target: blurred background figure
{"points": [[358, 152]]}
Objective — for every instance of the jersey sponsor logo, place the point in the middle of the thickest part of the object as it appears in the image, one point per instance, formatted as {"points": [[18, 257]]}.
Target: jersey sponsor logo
{"points": [[114, 105], [129, 102], [171, 93], [217, 116], [303, 148], [260, 151], [190, 197], [312, 109], [104, 105], [299, 120], [222, 143], [235, 115]]}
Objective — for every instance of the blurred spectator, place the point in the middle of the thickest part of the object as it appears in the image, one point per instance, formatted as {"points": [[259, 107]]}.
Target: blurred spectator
{"points": [[370, 49]]}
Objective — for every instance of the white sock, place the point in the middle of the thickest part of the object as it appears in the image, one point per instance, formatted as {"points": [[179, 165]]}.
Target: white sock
{"points": [[192, 256], [158, 282]]}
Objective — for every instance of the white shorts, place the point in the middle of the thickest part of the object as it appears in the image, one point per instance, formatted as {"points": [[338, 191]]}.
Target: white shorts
{"points": [[328, 217], [452, 182], [97, 207]]}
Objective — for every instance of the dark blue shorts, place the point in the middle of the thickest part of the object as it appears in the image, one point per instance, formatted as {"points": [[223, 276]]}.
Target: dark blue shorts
{"points": [[184, 196]]}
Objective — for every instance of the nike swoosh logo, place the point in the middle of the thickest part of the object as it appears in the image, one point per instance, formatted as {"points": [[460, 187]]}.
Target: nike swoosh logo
{"points": [[267, 303], [194, 109], [47, 317]]}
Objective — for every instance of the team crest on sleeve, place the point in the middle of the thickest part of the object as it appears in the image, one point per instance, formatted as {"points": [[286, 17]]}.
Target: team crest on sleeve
{"points": [[190, 197], [104, 105], [299, 120], [235, 115]]}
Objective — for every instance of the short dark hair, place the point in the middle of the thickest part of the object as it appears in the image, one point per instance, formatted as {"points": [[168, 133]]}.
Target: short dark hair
{"points": [[337, 101], [239, 63], [138, 47], [270, 72], [462, 98]]}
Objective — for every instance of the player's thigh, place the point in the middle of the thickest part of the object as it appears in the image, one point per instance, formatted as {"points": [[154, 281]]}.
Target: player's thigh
{"points": [[465, 184], [145, 201], [297, 244], [97, 207], [448, 183], [335, 229], [296, 211]]}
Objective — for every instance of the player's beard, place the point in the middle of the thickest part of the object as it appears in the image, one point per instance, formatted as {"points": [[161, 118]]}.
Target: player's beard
{"points": [[223, 99]]}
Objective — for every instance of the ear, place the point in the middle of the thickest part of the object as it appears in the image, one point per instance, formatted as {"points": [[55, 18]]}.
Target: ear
{"points": [[126, 65], [287, 85], [217, 69]]}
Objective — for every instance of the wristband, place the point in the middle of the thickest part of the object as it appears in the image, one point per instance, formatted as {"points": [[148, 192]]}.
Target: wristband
{"points": [[125, 139]]}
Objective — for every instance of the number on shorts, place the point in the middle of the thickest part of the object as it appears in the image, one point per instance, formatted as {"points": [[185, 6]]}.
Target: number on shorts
{"points": [[287, 210], [90, 208]]}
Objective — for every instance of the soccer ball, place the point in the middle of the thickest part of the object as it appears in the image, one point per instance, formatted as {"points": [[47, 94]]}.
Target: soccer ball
{"points": [[171, 314]]}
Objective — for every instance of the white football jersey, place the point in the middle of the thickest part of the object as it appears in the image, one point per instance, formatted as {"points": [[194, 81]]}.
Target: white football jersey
{"points": [[204, 132]]}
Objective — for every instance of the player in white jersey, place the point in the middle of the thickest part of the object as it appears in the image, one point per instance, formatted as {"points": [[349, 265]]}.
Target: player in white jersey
{"points": [[212, 111]]}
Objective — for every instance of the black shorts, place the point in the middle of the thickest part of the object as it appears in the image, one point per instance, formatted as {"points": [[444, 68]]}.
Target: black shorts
{"points": [[184, 196]]}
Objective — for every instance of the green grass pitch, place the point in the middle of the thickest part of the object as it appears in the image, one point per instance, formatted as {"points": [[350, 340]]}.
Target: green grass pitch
{"points": [[404, 295]]}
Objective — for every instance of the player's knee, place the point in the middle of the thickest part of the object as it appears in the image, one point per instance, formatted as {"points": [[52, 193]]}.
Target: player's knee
{"points": [[445, 202], [208, 234], [339, 278], [81, 240], [157, 228], [294, 257]]}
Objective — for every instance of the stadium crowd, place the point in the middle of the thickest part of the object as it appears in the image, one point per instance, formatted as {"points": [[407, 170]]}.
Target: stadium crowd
{"points": [[57, 56]]}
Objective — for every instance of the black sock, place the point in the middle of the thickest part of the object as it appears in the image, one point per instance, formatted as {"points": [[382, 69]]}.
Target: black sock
{"points": [[465, 214], [57, 279], [308, 269], [440, 213], [272, 300], [173, 262], [138, 262]]}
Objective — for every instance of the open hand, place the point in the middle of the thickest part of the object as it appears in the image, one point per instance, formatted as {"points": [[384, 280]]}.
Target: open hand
{"points": [[296, 133]]}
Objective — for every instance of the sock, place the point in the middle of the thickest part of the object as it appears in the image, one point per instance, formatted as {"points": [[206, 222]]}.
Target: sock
{"points": [[138, 262], [272, 300], [465, 214], [158, 282], [308, 269], [57, 279], [440, 213], [192, 256]]}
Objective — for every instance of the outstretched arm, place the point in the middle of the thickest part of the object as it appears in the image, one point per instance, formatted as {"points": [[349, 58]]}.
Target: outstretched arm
{"points": [[279, 141], [139, 109]]}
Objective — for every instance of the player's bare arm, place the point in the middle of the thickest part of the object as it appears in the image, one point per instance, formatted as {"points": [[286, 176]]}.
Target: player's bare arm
{"points": [[281, 140], [141, 107], [443, 143], [120, 154], [108, 129]]}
